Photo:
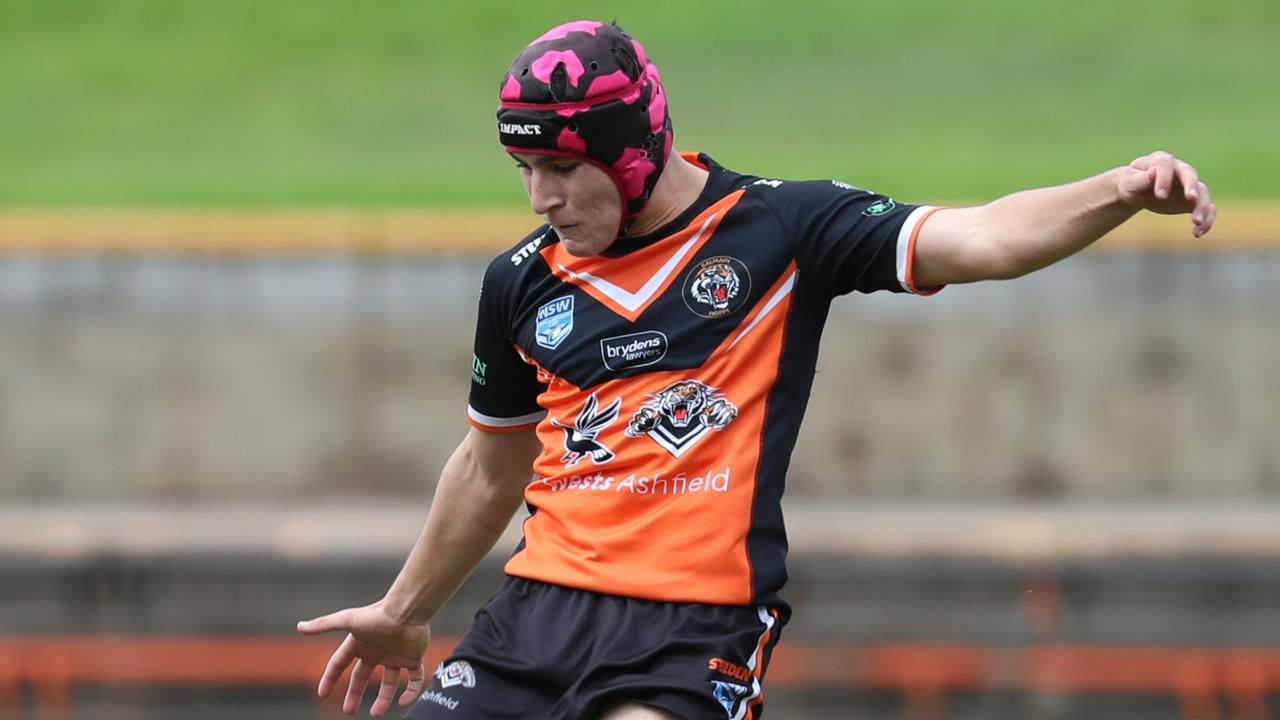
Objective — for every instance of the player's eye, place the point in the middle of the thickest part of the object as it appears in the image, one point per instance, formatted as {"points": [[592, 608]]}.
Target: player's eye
{"points": [[564, 168]]}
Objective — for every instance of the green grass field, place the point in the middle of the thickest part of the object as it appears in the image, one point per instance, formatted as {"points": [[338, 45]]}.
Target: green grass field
{"points": [[390, 103]]}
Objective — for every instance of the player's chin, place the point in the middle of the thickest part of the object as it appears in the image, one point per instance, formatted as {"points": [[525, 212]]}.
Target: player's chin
{"points": [[582, 245]]}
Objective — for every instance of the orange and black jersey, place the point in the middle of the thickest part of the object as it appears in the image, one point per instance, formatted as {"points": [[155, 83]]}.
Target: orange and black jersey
{"points": [[667, 379]]}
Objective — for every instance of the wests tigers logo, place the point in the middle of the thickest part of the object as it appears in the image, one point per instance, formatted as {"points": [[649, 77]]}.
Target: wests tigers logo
{"points": [[679, 415], [717, 287]]}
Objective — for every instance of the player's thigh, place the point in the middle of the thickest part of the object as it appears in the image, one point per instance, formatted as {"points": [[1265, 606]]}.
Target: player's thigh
{"points": [[636, 711]]}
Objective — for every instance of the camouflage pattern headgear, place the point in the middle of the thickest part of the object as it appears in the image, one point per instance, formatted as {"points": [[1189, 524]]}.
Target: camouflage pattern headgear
{"points": [[587, 90]]}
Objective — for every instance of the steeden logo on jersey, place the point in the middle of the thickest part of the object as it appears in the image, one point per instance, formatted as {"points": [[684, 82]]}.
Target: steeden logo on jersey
{"points": [[717, 286], [679, 415], [527, 250]]}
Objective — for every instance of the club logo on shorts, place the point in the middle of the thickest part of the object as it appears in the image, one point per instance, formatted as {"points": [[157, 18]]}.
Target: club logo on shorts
{"points": [[729, 694], [458, 672], [679, 415], [717, 286], [580, 437], [555, 322]]}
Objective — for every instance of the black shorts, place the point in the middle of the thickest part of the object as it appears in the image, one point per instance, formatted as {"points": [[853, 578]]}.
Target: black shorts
{"points": [[539, 651]]}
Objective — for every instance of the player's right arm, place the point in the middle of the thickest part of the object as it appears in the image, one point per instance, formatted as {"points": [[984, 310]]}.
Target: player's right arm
{"points": [[480, 489]]}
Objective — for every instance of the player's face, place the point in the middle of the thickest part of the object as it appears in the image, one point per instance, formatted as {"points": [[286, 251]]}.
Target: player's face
{"points": [[577, 198]]}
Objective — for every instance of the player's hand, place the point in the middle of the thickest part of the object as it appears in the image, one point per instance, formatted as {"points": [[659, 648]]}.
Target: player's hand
{"points": [[374, 638], [1162, 183]]}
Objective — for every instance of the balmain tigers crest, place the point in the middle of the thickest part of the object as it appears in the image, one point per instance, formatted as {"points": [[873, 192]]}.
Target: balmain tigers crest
{"points": [[717, 286]]}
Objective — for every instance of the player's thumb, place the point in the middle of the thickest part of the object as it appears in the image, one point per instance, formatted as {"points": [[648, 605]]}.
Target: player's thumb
{"points": [[325, 623], [1137, 181]]}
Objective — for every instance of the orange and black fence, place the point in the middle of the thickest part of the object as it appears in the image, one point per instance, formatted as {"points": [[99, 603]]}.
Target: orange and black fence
{"points": [[1203, 680], [1192, 637]]}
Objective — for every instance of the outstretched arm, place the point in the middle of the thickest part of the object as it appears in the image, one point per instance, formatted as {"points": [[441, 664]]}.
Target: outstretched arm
{"points": [[1029, 230], [479, 490]]}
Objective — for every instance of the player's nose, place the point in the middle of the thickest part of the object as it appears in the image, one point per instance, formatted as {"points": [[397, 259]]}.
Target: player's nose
{"points": [[545, 194]]}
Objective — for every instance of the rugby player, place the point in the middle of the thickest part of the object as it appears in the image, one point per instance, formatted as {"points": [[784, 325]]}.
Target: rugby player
{"points": [[642, 362]]}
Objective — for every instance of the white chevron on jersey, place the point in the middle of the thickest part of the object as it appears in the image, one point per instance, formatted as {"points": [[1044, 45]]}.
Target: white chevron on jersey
{"points": [[631, 301]]}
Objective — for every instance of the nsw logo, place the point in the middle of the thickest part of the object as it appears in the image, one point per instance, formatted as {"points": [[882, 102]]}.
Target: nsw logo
{"points": [[729, 694], [634, 350], [555, 322]]}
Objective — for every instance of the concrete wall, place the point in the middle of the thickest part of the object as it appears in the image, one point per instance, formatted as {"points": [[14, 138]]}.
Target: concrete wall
{"points": [[1111, 376]]}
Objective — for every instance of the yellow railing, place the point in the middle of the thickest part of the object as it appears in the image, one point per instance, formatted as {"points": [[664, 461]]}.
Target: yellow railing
{"points": [[478, 231]]}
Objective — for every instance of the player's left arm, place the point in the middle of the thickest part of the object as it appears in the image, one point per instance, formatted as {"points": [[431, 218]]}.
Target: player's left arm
{"points": [[1029, 230]]}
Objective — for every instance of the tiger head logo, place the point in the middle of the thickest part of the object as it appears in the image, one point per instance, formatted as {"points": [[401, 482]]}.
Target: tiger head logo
{"points": [[679, 415], [717, 286]]}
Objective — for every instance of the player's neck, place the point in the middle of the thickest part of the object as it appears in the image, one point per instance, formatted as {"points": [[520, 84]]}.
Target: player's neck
{"points": [[679, 187]]}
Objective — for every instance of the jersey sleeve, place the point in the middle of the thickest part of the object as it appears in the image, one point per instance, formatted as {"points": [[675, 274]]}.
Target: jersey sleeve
{"points": [[847, 238], [504, 388]]}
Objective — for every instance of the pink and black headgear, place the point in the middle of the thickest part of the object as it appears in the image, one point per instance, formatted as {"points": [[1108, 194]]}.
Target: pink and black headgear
{"points": [[587, 90]]}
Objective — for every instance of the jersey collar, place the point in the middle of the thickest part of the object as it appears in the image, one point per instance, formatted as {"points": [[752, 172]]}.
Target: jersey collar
{"points": [[719, 183]]}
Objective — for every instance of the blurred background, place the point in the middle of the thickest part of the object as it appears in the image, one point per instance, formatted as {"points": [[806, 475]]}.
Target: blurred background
{"points": [[240, 244]]}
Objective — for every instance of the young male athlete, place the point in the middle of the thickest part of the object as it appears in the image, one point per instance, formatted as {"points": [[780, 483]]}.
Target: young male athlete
{"points": [[642, 362]]}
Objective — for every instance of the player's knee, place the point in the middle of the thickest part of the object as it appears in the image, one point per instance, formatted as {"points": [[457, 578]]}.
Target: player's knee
{"points": [[636, 711]]}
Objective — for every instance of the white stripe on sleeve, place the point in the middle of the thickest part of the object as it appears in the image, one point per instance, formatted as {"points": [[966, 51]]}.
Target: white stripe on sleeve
{"points": [[499, 422], [904, 241]]}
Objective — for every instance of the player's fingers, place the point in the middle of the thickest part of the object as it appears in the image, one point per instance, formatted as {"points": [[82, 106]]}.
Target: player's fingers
{"points": [[1135, 185], [326, 623], [1164, 179], [1204, 212], [1139, 182], [1203, 201], [386, 691], [1190, 181], [417, 678], [1206, 224], [337, 665], [355, 690]]}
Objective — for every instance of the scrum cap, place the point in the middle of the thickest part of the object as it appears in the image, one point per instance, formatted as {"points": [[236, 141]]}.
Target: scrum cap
{"points": [[587, 90]]}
